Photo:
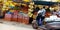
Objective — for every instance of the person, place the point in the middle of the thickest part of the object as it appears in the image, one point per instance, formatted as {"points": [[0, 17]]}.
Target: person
{"points": [[30, 14], [58, 13], [47, 9], [54, 12], [36, 9], [40, 17], [48, 12]]}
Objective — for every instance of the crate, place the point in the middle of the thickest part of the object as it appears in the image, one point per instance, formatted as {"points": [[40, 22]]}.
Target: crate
{"points": [[26, 20], [8, 17], [14, 18], [20, 18]]}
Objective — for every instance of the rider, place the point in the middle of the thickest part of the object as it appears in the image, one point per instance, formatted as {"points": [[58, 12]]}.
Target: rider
{"points": [[41, 16]]}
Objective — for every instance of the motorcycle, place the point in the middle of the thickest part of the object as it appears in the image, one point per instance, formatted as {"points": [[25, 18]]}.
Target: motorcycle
{"points": [[51, 23]]}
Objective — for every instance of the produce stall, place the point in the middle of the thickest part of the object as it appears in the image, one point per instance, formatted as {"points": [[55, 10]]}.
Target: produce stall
{"points": [[16, 12]]}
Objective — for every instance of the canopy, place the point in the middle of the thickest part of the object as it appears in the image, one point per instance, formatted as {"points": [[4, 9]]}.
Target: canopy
{"points": [[44, 3]]}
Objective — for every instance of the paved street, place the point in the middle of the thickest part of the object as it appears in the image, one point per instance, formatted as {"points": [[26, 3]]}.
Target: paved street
{"points": [[4, 25], [11, 27]]}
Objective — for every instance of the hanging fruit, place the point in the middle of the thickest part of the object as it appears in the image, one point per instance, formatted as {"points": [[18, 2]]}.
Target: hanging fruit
{"points": [[26, 0]]}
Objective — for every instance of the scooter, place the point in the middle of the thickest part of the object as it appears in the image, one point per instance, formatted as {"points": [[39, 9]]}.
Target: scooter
{"points": [[34, 22], [51, 23]]}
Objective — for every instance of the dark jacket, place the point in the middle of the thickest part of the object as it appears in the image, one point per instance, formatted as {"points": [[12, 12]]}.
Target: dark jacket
{"points": [[47, 10]]}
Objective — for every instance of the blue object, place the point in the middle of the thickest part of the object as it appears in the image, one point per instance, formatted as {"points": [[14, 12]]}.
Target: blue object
{"points": [[40, 23], [40, 20], [9, 13]]}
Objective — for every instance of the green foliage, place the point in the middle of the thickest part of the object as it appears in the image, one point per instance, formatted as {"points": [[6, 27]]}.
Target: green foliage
{"points": [[16, 8]]}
